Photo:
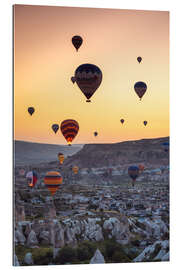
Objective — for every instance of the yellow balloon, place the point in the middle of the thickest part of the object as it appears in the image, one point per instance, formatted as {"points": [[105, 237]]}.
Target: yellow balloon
{"points": [[61, 158], [75, 169]]}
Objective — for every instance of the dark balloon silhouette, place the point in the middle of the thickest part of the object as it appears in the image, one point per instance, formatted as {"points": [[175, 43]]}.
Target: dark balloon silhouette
{"points": [[95, 133], [31, 110], [140, 89], [139, 59], [73, 80], [77, 42], [88, 78], [145, 123], [69, 129], [133, 172], [55, 128], [122, 121]]}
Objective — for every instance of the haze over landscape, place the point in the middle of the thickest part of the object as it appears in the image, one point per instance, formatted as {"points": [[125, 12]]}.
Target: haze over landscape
{"points": [[105, 198]]}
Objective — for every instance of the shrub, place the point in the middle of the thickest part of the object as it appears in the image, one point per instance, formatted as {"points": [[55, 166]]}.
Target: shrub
{"points": [[119, 256], [89, 246], [136, 242], [83, 253], [110, 248], [42, 256], [66, 255]]}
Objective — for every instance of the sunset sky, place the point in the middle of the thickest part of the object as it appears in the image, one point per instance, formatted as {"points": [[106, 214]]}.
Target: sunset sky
{"points": [[45, 60]]}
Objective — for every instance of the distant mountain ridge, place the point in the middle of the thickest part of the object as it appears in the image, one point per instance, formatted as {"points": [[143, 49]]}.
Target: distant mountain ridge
{"points": [[32, 153]]}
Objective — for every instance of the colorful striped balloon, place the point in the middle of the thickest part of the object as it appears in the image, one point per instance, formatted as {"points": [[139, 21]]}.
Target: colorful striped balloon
{"points": [[69, 129], [53, 180]]}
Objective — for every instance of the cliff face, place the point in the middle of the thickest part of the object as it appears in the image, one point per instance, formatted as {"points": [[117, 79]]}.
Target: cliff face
{"points": [[98, 155]]}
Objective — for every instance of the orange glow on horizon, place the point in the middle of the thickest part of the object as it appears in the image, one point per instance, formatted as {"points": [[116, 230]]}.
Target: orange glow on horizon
{"points": [[45, 60]]}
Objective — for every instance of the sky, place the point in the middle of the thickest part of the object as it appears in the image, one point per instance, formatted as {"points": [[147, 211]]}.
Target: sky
{"points": [[45, 60]]}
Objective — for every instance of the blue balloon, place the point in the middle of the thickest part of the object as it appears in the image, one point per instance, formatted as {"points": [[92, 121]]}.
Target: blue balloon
{"points": [[133, 172]]}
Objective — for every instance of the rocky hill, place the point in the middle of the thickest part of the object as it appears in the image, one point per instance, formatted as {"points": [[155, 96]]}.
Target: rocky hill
{"points": [[98, 155]]}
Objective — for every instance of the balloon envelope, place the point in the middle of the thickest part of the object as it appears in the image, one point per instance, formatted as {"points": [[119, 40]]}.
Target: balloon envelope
{"points": [[55, 128], [52, 181], [140, 89], [77, 42], [75, 169], [73, 79], [69, 129], [139, 59], [122, 121], [61, 158], [141, 167], [31, 177], [95, 133], [31, 110], [88, 78], [145, 123], [133, 172]]}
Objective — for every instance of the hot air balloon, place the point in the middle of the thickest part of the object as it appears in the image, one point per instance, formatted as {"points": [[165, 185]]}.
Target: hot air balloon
{"points": [[55, 128], [95, 133], [69, 129], [88, 78], [31, 110], [122, 121], [31, 177], [52, 181], [75, 169], [77, 42], [61, 158], [133, 172], [73, 79], [141, 168], [145, 123], [140, 89], [166, 146], [139, 59]]}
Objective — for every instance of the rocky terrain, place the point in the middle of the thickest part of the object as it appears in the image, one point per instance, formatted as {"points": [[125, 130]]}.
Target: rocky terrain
{"points": [[99, 155], [96, 216]]}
